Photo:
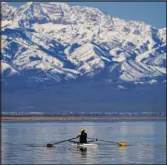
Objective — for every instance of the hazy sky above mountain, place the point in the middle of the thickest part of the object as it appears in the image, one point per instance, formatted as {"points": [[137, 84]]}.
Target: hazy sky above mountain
{"points": [[153, 13]]}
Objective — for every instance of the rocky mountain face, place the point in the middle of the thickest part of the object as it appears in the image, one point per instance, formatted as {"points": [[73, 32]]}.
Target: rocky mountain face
{"points": [[45, 45]]}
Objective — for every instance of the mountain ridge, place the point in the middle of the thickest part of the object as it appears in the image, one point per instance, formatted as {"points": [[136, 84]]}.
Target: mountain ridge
{"points": [[45, 45], [149, 49]]}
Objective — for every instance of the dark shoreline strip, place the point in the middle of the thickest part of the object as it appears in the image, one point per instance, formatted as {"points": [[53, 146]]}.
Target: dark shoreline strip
{"points": [[22, 118]]}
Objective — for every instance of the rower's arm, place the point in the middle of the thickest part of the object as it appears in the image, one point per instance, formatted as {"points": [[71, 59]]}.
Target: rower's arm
{"points": [[78, 135]]}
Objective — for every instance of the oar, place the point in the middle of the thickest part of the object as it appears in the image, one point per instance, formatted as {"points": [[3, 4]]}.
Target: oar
{"points": [[51, 145], [120, 144]]}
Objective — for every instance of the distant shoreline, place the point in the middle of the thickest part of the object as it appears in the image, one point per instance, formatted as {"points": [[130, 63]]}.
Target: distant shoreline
{"points": [[59, 118]]}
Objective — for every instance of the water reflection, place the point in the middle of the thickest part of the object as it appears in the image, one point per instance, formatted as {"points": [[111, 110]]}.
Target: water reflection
{"points": [[84, 153], [122, 148]]}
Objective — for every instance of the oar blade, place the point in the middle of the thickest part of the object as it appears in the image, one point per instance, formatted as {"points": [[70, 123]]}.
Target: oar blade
{"points": [[49, 145], [122, 144]]}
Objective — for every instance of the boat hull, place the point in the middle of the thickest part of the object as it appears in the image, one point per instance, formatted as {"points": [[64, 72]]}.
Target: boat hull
{"points": [[87, 145]]}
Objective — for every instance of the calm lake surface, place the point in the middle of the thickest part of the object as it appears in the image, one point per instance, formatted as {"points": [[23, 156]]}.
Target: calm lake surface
{"points": [[23, 142]]}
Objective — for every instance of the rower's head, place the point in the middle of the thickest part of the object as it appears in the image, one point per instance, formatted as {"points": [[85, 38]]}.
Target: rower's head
{"points": [[82, 130]]}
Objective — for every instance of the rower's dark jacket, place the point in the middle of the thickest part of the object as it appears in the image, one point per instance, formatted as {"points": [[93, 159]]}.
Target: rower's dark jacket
{"points": [[82, 137]]}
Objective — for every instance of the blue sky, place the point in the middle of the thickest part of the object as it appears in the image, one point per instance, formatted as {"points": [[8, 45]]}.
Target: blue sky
{"points": [[153, 13]]}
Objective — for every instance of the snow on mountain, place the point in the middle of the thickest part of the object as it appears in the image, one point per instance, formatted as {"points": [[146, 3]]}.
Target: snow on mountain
{"points": [[64, 42], [7, 70], [88, 58], [138, 71], [162, 34], [7, 11]]}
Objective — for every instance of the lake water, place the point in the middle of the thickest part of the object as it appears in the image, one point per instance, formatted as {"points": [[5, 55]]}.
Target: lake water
{"points": [[25, 141]]}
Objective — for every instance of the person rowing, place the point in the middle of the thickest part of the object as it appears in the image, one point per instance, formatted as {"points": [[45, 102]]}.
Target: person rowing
{"points": [[82, 136]]}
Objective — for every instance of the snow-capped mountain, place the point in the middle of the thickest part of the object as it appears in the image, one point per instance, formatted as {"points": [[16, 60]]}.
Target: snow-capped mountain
{"points": [[72, 42], [80, 59]]}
